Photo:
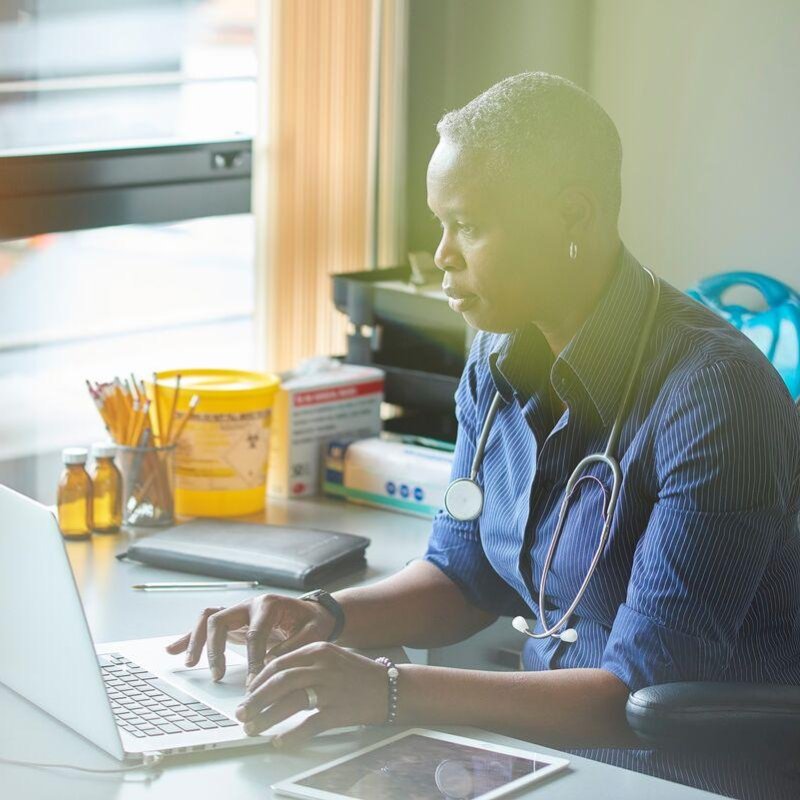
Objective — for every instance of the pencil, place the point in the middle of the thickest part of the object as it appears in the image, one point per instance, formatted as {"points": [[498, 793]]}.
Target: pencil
{"points": [[130, 427], [140, 423], [135, 385], [110, 410], [174, 406], [189, 411], [98, 403], [160, 435]]}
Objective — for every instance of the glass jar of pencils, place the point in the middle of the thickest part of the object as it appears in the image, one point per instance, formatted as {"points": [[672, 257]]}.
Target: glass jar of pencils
{"points": [[106, 489], [74, 500], [148, 485]]}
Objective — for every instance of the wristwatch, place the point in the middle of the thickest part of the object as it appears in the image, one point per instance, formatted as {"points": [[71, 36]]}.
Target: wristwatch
{"points": [[329, 604]]}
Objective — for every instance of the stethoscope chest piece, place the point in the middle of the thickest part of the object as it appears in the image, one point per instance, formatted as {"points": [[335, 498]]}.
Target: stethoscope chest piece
{"points": [[463, 500]]}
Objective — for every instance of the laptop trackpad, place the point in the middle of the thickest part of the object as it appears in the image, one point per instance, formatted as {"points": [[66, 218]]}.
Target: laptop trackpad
{"points": [[198, 681], [226, 694]]}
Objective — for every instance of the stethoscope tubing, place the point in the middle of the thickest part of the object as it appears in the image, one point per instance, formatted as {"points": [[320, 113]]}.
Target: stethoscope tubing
{"points": [[608, 517], [608, 458], [477, 460]]}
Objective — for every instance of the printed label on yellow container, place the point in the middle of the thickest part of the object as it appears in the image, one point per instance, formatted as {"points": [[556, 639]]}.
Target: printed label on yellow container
{"points": [[223, 452]]}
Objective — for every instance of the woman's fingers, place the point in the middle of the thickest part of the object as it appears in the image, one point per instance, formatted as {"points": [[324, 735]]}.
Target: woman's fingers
{"points": [[312, 725], [239, 636], [179, 645], [197, 638], [280, 686], [276, 614], [283, 709], [308, 634], [313, 654], [262, 620], [217, 625], [256, 623], [348, 689]]}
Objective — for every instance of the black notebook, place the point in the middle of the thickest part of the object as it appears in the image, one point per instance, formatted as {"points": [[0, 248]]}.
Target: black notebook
{"points": [[295, 558]]}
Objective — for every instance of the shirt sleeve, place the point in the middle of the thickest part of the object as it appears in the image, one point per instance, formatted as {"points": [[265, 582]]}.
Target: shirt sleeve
{"points": [[725, 461], [455, 547]]}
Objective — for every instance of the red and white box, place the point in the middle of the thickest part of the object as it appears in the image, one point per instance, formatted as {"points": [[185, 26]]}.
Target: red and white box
{"points": [[311, 409]]}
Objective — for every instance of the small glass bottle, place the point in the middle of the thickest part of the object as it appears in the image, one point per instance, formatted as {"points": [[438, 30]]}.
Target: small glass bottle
{"points": [[106, 489], [75, 495]]}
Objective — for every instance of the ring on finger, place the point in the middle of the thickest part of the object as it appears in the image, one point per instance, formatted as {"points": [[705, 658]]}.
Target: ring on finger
{"points": [[313, 698]]}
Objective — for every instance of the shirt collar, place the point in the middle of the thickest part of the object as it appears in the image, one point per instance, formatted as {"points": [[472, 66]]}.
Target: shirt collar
{"points": [[598, 357], [521, 363]]}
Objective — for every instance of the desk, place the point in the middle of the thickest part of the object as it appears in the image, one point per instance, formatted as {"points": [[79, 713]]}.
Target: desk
{"points": [[116, 612]]}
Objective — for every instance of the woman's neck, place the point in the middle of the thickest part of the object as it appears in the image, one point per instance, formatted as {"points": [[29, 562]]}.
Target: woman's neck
{"points": [[580, 299]]}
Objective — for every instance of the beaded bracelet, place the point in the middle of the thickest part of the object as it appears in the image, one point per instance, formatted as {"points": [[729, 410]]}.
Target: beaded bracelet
{"points": [[394, 674]]}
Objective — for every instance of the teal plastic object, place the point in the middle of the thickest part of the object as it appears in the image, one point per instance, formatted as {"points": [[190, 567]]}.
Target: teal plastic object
{"points": [[775, 331]]}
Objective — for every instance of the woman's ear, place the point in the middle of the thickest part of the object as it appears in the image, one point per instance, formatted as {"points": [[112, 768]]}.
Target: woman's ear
{"points": [[577, 207]]}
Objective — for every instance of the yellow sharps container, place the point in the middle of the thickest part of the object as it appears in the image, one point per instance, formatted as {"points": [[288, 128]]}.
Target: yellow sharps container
{"points": [[221, 459]]}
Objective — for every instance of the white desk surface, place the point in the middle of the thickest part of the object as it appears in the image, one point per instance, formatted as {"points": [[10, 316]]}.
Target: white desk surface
{"points": [[117, 612]]}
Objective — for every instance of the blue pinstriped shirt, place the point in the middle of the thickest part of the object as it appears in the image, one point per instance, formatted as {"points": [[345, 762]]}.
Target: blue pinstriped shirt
{"points": [[700, 579]]}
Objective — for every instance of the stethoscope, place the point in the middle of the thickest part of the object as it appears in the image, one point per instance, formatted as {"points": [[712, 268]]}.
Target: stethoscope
{"points": [[463, 499]]}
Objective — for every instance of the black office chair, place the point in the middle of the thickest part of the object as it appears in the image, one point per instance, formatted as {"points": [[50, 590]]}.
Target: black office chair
{"points": [[759, 719]]}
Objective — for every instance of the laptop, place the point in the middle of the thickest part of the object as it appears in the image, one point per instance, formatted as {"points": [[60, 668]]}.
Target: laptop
{"points": [[128, 698]]}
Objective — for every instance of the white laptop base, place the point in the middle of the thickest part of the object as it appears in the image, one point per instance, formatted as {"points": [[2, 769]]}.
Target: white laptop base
{"points": [[196, 684], [51, 660]]}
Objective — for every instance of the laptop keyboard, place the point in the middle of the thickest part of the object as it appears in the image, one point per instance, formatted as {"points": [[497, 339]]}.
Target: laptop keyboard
{"points": [[144, 705]]}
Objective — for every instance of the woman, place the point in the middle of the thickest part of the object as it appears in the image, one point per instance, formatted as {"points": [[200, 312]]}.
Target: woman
{"points": [[697, 580]]}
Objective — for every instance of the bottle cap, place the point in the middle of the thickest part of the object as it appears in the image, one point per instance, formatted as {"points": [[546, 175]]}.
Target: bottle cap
{"points": [[75, 455], [104, 449]]}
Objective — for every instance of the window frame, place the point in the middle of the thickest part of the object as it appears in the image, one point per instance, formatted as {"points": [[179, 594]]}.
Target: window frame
{"points": [[55, 192]]}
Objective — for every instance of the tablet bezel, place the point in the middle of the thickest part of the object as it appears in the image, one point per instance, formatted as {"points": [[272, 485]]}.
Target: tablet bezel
{"points": [[291, 788]]}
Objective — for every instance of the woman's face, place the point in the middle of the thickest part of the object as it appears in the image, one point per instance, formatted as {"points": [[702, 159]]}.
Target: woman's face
{"points": [[501, 248]]}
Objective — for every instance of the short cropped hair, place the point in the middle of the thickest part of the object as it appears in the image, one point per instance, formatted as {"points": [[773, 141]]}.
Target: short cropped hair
{"points": [[540, 127]]}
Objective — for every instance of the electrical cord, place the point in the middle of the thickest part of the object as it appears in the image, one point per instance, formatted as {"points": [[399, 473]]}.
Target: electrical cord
{"points": [[149, 761]]}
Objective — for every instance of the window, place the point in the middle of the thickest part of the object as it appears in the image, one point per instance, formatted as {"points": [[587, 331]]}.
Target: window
{"points": [[126, 242], [132, 111]]}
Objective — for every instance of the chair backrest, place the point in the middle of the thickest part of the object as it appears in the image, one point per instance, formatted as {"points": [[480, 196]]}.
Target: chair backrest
{"points": [[774, 330], [760, 719]]}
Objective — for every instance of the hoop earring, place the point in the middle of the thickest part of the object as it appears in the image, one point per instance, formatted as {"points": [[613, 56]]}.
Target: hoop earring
{"points": [[573, 251]]}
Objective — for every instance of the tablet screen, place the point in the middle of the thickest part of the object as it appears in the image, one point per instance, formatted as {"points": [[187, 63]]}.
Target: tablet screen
{"points": [[419, 767]]}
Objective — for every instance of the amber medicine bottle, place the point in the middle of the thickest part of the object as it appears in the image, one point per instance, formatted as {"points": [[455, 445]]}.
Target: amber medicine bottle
{"points": [[106, 489], [75, 495]]}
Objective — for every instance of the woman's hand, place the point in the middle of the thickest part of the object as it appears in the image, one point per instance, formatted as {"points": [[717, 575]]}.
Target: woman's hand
{"points": [[270, 625], [351, 689]]}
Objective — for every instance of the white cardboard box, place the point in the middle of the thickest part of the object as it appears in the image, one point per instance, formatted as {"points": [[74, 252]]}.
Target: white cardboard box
{"points": [[388, 474], [310, 410]]}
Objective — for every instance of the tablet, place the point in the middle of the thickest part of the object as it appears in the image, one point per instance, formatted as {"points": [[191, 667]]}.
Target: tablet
{"points": [[424, 765]]}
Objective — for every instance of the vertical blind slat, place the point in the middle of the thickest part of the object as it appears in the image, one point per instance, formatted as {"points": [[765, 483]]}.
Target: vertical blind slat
{"points": [[318, 171]]}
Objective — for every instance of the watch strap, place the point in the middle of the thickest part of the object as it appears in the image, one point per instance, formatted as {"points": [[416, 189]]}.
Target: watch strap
{"points": [[329, 604]]}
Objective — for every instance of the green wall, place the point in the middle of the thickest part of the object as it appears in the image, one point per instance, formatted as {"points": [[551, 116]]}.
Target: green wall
{"points": [[706, 96], [705, 93], [458, 48]]}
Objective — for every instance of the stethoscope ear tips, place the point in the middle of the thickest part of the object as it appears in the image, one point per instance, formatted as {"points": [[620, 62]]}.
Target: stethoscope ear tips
{"points": [[520, 624]]}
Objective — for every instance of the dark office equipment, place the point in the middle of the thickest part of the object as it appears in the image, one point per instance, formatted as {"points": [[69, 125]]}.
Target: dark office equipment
{"points": [[409, 332], [759, 720], [46, 192]]}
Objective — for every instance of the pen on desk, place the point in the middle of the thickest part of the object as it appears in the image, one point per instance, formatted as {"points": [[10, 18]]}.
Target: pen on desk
{"points": [[191, 585]]}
